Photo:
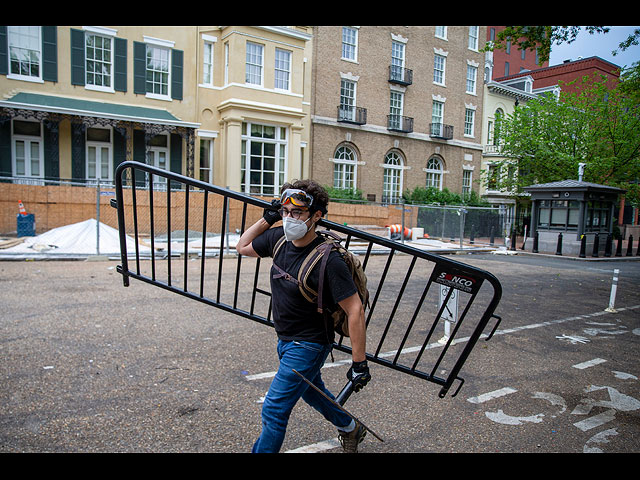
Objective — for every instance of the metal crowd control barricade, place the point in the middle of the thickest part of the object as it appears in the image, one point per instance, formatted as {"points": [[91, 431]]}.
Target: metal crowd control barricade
{"points": [[411, 290]]}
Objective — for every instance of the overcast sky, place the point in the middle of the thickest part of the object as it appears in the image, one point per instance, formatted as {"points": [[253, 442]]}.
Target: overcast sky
{"points": [[599, 45]]}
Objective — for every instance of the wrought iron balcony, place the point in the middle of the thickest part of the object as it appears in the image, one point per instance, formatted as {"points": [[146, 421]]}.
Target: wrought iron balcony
{"points": [[398, 123], [400, 75], [440, 130], [350, 114]]}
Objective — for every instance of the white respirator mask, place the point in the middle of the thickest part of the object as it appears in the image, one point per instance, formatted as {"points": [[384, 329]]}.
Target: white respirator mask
{"points": [[294, 229]]}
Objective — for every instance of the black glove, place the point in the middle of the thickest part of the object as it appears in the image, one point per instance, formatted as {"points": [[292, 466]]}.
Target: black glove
{"points": [[359, 375], [271, 214]]}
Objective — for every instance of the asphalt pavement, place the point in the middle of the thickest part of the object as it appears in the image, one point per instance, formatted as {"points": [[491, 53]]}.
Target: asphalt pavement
{"points": [[89, 365]]}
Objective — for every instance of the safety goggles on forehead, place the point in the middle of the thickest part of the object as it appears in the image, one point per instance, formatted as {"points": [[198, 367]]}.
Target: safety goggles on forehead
{"points": [[299, 198]]}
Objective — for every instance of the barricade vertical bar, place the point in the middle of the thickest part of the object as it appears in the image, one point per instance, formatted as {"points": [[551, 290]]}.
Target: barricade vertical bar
{"points": [[431, 330], [204, 240], [255, 286], [395, 306], [123, 239], [135, 219], [366, 256], [152, 228], [239, 262], [186, 236], [222, 238], [168, 234], [382, 279], [413, 319]]}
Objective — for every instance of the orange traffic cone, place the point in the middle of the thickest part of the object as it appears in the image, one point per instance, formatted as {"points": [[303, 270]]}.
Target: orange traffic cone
{"points": [[398, 229], [21, 208]]}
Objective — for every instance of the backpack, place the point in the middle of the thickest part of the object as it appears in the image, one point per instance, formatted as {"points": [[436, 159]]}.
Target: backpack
{"points": [[320, 254]]}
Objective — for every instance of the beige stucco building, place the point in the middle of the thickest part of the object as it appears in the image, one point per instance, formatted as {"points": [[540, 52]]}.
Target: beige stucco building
{"points": [[226, 104]]}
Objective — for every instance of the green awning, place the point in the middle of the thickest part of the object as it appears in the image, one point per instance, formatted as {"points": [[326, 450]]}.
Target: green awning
{"points": [[75, 106]]}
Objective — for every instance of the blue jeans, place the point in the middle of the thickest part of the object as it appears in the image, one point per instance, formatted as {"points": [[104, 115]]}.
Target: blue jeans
{"points": [[287, 387]]}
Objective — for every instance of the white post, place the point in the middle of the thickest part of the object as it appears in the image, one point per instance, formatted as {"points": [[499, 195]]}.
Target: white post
{"points": [[614, 287]]}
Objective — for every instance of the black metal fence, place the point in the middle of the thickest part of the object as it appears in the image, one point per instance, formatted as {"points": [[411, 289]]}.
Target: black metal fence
{"points": [[415, 296]]}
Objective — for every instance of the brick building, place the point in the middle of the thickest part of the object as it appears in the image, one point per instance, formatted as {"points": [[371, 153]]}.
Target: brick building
{"points": [[395, 107], [511, 60]]}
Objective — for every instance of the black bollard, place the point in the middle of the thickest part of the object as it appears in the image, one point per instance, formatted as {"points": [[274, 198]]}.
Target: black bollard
{"points": [[596, 245], [535, 243], [513, 241], [630, 246], [559, 247], [491, 237], [619, 248], [583, 246], [471, 236], [607, 246], [638, 250]]}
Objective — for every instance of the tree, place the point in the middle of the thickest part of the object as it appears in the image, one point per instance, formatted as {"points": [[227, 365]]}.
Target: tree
{"points": [[543, 37], [547, 138]]}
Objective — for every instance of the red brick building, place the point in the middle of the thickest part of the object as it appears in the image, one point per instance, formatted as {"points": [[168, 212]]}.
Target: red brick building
{"points": [[567, 72], [511, 60]]}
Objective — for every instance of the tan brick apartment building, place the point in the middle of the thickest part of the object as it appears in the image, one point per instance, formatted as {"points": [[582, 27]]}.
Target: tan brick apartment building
{"points": [[395, 107]]}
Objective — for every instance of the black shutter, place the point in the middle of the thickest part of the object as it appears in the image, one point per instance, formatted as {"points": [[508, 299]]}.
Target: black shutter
{"points": [[50, 53], [5, 149], [177, 68], [139, 68], [120, 67], [175, 157], [77, 57], [4, 51], [78, 167], [51, 151]]}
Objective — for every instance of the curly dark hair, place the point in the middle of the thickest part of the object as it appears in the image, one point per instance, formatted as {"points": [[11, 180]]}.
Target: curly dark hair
{"points": [[313, 188]]}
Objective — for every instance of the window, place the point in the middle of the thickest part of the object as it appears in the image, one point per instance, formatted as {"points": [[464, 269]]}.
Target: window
{"points": [[253, 65], [466, 183], [439, 64], [206, 160], [559, 215], [345, 168], [27, 154], [437, 117], [434, 173], [392, 178], [469, 119], [99, 61], [472, 74], [98, 154], [396, 101], [473, 38], [597, 216], [441, 32], [397, 61], [207, 63], [263, 161], [157, 74], [282, 69], [350, 43], [24, 52], [347, 100], [493, 176]]}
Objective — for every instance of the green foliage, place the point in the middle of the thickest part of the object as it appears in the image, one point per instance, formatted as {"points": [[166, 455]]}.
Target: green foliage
{"points": [[434, 196], [597, 125], [344, 195]]}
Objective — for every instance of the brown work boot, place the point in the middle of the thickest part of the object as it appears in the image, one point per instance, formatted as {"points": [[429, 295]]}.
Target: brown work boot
{"points": [[350, 440]]}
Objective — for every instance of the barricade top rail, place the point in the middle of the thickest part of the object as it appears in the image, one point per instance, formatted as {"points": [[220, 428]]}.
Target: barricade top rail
{"points": [[398, 318]]}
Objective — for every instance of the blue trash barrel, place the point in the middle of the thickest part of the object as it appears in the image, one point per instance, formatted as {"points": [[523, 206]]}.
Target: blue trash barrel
{"points": [[26, 225]]}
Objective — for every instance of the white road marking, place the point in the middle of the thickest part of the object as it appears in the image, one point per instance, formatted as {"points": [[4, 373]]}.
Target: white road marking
{"points": [[596, 420], [491, 395], [589, 363], [317, 447]]}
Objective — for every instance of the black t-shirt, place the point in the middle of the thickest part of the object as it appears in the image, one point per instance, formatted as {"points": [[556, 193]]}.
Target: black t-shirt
{"points": [[294, 317]]}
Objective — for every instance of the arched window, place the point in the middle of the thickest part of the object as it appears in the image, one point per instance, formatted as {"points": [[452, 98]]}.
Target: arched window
{"points": [[392, 178], [434, 173], [345, 168]]}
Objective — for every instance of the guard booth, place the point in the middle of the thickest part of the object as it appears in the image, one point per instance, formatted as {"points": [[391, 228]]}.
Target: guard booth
{"points": [[572, 208]]}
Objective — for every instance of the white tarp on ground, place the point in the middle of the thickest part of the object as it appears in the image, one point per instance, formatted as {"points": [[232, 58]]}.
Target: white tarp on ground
{"points": [[75, 239]]}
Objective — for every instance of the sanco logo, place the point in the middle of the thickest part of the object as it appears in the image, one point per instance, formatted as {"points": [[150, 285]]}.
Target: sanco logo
{"points": [[456, 281]]}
